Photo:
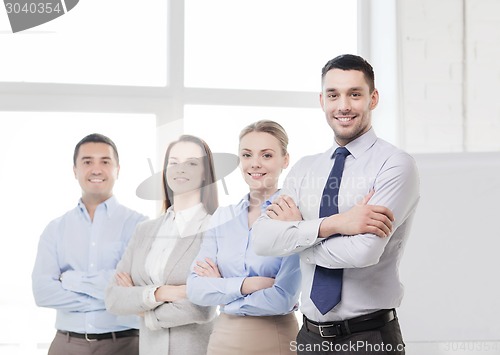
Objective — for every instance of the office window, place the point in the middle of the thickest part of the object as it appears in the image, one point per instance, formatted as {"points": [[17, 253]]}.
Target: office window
{"points": [[98, 42], [265, 45]]}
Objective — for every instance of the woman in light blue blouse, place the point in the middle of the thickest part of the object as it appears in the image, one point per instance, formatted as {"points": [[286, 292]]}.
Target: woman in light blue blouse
{"points": [[257, 295]]}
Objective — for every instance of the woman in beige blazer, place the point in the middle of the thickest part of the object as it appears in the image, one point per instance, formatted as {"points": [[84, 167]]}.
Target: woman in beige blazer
{"points": [[151, 276]]}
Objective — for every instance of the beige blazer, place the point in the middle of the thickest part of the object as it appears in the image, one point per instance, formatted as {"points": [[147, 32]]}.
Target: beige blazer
{"points": [[189, 326]]}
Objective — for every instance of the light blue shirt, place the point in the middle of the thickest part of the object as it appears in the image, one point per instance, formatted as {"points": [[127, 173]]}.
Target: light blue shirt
{"points": [[228, 242], [76, 260]]}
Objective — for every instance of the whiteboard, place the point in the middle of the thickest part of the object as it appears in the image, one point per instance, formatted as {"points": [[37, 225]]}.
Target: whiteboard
{"points": [[451, 264]]}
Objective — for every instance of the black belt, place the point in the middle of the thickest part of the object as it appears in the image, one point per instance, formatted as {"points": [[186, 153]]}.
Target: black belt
{"points": [[355, 325], [95, 337]]}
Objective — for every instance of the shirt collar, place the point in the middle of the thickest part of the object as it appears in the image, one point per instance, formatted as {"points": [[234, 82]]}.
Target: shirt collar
{"points": [[190, 212], [359, 145], [183, 218], [109, 206], [245, 201]]}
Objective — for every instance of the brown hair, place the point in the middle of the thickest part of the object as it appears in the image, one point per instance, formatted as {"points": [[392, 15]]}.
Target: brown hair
{"points": [[209, 196]]}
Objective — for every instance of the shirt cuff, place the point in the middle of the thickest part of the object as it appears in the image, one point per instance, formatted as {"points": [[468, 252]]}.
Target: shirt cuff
{"points": [[234, 308], [307, 234], [71, 279], [149, 299], [233, 287], [307, 256], [150, 320]]}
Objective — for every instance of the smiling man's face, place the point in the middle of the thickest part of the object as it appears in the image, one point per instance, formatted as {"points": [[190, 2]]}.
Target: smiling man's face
{"points": [[347, 103], [96, 170]]}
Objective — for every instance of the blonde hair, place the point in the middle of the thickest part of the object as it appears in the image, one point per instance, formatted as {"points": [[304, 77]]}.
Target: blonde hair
{"points": [[271, 127]]}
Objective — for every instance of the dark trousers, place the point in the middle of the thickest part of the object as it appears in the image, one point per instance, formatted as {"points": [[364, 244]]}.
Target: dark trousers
{"points": [[380, 341], [67, 345]]}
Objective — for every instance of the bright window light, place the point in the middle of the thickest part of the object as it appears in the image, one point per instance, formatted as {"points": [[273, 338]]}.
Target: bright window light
{"points": [[265, 45], [112, 42]]}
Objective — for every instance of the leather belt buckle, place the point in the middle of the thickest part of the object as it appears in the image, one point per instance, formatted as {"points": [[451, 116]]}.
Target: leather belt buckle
{"points": [[323, 335], [88, 339]]}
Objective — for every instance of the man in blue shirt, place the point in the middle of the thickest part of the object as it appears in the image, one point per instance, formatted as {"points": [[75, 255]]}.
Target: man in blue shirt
{"points": [[77, 256]]}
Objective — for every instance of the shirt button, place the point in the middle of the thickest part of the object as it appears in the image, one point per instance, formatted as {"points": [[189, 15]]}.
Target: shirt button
{"points": [[93, 244], [92, 265], [308, 259]]}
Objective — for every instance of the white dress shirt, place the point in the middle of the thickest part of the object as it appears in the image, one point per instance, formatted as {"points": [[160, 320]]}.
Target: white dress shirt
{"points": [[371, 279], [173, 227]]}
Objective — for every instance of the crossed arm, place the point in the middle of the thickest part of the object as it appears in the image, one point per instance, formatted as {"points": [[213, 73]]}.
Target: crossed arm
{"points": [[360, 219], [162, 306], [352, 239], [72, 291], [164, 293], [250, 284], [240, 294]]}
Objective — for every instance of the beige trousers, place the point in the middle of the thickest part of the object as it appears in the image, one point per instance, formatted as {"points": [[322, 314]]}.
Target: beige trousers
{"points": [[246, 335]]}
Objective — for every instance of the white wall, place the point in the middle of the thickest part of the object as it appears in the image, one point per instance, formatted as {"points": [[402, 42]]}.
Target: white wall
{"points": [[449, 57], [449, 73]]}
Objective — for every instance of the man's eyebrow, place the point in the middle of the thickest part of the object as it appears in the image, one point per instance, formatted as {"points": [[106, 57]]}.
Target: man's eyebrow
{"points": [[89, 158], [355, 88]]}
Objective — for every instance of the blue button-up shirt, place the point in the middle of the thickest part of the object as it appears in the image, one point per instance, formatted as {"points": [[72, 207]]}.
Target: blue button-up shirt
{"points": [[76, 260], [228, 242]]}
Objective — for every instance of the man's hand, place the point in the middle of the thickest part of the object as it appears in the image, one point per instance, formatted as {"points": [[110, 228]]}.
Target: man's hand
{"points": [[360, 219], [207, 268], [124, 279], [284, 209], [256, 283]]}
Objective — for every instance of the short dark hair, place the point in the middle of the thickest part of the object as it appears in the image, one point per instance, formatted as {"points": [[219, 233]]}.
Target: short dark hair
{"points": [[95, 138], [351, 62]]}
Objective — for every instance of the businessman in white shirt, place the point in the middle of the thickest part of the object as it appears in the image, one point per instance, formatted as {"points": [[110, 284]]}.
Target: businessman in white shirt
{"points": [[361, 242]]}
